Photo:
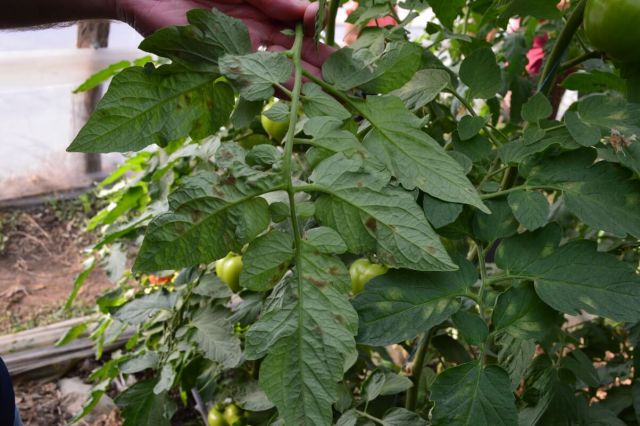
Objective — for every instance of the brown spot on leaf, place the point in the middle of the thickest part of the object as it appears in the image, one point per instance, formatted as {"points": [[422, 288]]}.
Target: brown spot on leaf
{"points": [[316, 282], [229, 180], [334, 270], [371, 224]]}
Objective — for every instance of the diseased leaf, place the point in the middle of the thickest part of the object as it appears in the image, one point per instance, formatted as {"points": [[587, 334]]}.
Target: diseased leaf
{"points": [[309, 341], [256, 73], [146, 106], [573, 277], [417, 300], [266, 260], [199, 45], [373, 72], [471, 394], [210, 217], [610, 112], [411, 155], [374, 217]]}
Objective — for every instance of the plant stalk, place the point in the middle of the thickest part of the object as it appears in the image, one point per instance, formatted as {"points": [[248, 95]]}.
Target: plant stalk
{"points": [[418, 366], [552, 65], [331, 22]]}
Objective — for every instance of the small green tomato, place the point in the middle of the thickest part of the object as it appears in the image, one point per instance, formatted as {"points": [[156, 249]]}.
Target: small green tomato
{"points": [[362, 271], [228, 270], [215, 418]]}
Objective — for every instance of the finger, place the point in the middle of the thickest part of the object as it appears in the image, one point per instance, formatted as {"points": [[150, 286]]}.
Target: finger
{"points": [[309, 19], [316, 54], [311, 53], [282, 10], [306, 65]]}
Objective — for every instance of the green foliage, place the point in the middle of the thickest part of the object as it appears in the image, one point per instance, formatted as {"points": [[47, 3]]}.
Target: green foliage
{"points": [[510, 232]]}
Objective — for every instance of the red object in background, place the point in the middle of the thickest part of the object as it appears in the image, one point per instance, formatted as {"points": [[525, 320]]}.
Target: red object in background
{"points": [[156, 280], [536, 54]]}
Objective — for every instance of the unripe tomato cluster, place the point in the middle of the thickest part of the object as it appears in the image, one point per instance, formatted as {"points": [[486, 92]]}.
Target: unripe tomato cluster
{"points": [[232, 416]]}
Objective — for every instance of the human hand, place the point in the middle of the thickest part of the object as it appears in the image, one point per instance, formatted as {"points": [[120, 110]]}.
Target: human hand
{"points": [[265, 20]]}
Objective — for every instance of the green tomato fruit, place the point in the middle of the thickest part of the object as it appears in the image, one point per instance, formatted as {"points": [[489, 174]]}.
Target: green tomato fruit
{"points": [[276, 130], [362, 271], [228, 270], [215, 418], [613, 26], [232, 414]]}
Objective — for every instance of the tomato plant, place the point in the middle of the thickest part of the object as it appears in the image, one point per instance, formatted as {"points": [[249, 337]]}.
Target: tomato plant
{"points": [[508, 220]]}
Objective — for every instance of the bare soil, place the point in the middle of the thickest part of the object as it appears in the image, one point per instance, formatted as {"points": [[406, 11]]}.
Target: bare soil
{"points": [[40, 256]]}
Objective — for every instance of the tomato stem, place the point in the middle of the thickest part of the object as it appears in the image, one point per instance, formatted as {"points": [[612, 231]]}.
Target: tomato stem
{"points": [[552, 65], [331, 22], [580, 59], [418, 366]]}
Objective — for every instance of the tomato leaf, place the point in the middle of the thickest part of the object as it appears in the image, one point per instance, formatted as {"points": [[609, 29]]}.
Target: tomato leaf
{"points": [[520, 313], [603, 195], [142, 407], [481, 73], [374, 217], [215, 337], [420, 301], [411, 155], [573, 277], [256, 73], [199, 45], [309, 341], [471, 394], [146, 106], [266, 260]]}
